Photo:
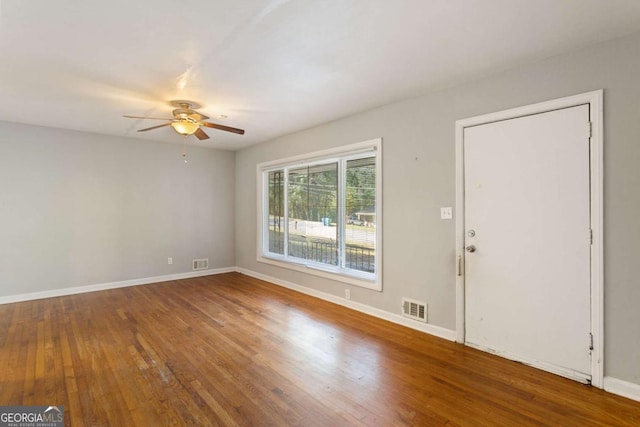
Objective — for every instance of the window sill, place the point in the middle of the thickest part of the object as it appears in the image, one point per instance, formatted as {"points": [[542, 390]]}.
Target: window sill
{"points": [[373, 284]]}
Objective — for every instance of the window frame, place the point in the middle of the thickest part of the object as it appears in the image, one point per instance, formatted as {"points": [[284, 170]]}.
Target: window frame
{"points": [[340, 155]]}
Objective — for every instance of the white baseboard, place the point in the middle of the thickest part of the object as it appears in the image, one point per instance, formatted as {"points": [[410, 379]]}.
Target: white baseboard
{"points": [[391, 317], [112, 285], [622, 388]]}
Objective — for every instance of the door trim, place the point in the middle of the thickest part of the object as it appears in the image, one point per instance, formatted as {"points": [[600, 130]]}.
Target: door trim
{"points": [[595, 101]]}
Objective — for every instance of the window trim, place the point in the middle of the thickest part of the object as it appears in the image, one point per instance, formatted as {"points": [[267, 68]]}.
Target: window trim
{"points": [[339, 154]]}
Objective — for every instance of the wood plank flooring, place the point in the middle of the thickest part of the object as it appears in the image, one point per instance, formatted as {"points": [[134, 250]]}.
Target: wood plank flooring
{"points": [[232, 350]]}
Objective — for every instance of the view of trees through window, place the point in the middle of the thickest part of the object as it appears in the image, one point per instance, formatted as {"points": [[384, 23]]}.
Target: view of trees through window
{"points": [[314, 231], [361, 214], [276, 212], [313, 207]]}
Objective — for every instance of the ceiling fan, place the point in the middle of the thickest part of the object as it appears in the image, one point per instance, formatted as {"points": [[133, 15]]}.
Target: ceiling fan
{"points": [[187, 121]]}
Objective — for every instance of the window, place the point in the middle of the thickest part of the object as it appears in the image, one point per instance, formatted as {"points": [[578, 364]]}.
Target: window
{"points": [[321, 214]]}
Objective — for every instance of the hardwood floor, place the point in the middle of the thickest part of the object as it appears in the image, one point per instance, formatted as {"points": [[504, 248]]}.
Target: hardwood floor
{"points": [[233, 350]]}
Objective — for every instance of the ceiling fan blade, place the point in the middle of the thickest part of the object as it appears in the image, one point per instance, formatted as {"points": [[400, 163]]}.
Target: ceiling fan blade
{"points": [[154, 127], [140, 117], [222, 127], [200, 134]]}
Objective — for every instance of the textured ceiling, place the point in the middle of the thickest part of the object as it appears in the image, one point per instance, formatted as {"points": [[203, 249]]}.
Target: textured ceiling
{"points": [[272, 67]]}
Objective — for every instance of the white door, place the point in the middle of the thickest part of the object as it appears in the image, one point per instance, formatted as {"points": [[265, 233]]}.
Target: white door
{"points": [[526, 198]]}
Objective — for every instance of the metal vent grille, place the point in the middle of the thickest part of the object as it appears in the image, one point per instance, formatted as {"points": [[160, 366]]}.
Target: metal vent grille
{"points": [[201, 264], [414, 309]]}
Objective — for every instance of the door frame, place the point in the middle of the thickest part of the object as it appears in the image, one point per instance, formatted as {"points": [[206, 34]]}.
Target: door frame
{"points": [[595, 101]]}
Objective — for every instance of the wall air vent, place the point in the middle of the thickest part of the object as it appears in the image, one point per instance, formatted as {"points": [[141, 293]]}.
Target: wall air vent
{"points": [[201, 264], [414, 309]]}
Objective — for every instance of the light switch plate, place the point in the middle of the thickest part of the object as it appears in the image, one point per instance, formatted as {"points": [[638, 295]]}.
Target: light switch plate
{"points": [[446, 213]]}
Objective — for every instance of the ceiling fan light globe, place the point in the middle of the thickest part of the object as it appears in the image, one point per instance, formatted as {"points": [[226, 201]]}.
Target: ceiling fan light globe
{"points": [[185, 127]]}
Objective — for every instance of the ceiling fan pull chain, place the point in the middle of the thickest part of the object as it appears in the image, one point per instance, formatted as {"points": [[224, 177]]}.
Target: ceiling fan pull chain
{"points": [[184, 149]]}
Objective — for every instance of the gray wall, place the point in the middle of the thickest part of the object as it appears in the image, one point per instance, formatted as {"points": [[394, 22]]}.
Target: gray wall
{"points": [[79, 209], [419, 178]]}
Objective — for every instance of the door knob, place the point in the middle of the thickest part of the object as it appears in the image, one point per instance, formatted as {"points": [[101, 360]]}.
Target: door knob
{"points": [[471, 248]]}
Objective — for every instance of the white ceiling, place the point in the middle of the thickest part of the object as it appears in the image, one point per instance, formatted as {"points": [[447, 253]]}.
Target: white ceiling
{"points": [[273, 67]]}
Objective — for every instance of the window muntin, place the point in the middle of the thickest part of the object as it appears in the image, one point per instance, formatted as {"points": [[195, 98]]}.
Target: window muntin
{"points": [[324, 213]]}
